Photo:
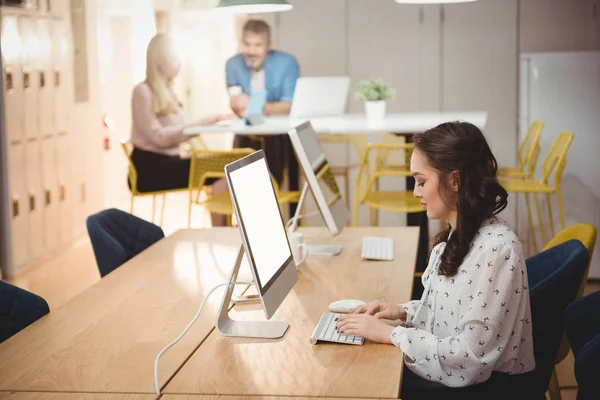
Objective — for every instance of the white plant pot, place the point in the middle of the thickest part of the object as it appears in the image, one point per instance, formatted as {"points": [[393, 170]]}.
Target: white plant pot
{"points": [[375, 110]]}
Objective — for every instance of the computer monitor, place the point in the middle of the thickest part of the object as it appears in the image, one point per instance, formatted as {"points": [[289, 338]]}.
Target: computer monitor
{"points": [[264, 243], [323, 96], [319, 178]]}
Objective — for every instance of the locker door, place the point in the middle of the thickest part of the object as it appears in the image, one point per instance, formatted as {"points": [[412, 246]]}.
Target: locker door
{"points": [[59, 68], [13, 87], [45, 78], [50, 194], [66, 190], [19, 211], [29, 76], [34, 198]]}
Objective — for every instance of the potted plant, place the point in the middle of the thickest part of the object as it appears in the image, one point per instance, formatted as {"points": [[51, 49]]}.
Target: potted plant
{"points": [[374, 93]]}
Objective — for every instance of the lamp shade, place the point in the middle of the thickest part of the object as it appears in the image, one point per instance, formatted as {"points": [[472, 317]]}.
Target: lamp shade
{"points": [[433, 1], [254, 6]]}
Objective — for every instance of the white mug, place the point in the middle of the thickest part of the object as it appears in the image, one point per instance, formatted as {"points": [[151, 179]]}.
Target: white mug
{"points": [[299, 249]]}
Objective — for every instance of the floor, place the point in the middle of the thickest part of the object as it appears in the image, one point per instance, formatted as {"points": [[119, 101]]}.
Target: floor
{"points": [[72, 272]]}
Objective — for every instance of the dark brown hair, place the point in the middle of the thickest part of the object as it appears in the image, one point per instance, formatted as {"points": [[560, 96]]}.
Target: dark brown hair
{"points": [[257, 26], [460, 147]]}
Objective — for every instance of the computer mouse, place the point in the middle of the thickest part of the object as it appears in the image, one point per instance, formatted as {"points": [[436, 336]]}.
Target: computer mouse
{"points": [[345, 306]]}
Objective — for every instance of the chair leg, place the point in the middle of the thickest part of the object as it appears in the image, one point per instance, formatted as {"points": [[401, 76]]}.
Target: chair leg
{"points": [[539, 213], [162, 209], [549, 201], [228, 219], [153, 207], [190, 209], [560, 208], [531, 227], [355, 213], [372, 216], [554, 388]]}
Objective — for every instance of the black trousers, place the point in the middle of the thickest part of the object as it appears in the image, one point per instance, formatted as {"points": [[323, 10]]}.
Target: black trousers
{"points": [[279, 154], [499, 386], [161, 172]]}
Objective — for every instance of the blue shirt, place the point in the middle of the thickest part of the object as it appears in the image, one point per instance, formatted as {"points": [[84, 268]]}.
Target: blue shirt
{"points": [[281, 73]]}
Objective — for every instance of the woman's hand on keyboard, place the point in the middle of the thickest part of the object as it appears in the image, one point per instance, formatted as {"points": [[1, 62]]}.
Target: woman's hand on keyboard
{"points": [[366, 326], [381, 310]]}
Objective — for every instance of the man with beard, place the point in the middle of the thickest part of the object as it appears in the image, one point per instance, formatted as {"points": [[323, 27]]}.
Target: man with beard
{"points": [[259, 68]]}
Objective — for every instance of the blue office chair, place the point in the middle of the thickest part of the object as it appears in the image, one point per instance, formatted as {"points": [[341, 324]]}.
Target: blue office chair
{"points": [[18, 309], [118, 236], [555, 276], [583, 331]]}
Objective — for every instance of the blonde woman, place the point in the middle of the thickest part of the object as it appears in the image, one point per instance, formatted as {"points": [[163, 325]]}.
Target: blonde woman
{"points": [[158, 122]]}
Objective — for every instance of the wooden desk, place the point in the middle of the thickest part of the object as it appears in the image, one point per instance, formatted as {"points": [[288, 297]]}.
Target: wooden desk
{"points": [[106, 339], [234, 397], [73, 396], [291, 366]]}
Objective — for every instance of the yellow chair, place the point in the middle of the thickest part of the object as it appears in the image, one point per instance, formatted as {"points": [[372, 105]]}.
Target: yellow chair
{"points": [[342, 170], [586, 234], [527, 155], [127, 147], [555, 161], [206, 164], [379, 160]]}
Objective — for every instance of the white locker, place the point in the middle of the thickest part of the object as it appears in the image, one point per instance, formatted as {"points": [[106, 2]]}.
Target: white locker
{"points": [[13, 87], [50, 194], [66, 191], [19, 202], [30, 77], [59, 66], [34, 198], [59, 8], [44, 78]]}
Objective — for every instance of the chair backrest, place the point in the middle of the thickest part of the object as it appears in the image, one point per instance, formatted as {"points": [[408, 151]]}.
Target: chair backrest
{"points": [[18, 309], [211, 164], [529, 150], [586, 234], [583, 330], [556, 159], [554, 277], [127, 147], [118, 236]]}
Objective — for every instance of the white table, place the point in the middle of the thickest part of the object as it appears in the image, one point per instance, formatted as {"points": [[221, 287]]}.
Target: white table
{"points": [[405, 123]]}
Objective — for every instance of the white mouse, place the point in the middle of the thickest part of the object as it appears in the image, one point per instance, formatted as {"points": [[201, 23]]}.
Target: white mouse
{"points": [[345, 306]]}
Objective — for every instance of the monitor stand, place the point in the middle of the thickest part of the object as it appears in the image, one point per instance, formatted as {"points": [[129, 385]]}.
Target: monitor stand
{"points": [[327, 250], [250, 329]]}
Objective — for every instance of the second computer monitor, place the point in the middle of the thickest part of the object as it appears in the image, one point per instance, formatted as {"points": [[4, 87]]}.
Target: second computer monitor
{"points": [[319, 177]]}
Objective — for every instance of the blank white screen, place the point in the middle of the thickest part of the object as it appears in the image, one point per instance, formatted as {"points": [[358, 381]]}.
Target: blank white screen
{"points": [[259, 212]]}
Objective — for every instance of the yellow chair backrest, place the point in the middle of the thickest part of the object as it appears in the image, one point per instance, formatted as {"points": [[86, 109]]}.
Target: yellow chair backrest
{"points": [[378, 160], [529, 150], [127, 147], [207, 164], [585, 233], [556, 159]]}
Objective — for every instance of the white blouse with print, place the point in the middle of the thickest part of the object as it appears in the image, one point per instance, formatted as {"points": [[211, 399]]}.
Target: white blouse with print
{"points": [[475, 322]]}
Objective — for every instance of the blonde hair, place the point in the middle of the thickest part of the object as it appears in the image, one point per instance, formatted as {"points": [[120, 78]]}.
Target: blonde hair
{"points": [[164, 100]]}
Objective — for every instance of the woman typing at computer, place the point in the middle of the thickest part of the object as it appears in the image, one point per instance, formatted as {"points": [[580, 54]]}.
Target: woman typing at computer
{"points": [[473, 321], [158, 122]]}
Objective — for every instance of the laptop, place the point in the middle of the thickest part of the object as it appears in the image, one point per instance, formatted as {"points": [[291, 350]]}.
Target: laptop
{"points": [[320, 96]]}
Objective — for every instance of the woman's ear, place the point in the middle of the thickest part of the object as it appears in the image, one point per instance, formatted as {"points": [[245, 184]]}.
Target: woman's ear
{"points": [[454, 179]]}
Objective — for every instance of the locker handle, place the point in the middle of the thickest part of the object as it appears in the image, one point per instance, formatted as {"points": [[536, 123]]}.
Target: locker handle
{"points": [[9, 80], [62, 192], [31, 202], [26, 81], [48, 197], [42, 79], [56, 78], [15, 206]]}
